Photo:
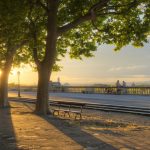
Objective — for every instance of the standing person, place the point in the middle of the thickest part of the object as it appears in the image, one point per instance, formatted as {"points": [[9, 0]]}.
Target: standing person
{"points": [[124, 85], [118, 85]]}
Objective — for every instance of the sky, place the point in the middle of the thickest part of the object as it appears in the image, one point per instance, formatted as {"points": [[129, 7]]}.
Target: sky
{"points": [[107, 66]]}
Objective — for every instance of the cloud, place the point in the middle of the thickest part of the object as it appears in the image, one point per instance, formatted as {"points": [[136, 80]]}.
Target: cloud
{"points": [[139, 76], [116, 69], [127, 68]]}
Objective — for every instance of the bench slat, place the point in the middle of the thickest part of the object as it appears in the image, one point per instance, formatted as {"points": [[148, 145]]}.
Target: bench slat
{"points": [[68, 111]]}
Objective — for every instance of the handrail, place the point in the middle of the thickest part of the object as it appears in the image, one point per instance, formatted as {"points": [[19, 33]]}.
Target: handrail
{"points": [[137, 90], [102, 90]]}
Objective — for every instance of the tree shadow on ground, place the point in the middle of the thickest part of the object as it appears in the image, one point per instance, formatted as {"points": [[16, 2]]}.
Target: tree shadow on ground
{"points": [[74, 131], [7, 133]]}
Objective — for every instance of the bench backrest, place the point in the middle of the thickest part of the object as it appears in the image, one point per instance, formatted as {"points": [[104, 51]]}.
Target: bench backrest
{"points": [[69, 104]]}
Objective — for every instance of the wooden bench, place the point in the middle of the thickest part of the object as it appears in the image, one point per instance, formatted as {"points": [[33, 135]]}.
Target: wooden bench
{"points": [[67, 108]]}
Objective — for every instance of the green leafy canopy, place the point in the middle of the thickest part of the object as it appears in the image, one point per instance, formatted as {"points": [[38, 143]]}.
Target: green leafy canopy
{"points": [[119, 23], [82, 25], [12, 29]]}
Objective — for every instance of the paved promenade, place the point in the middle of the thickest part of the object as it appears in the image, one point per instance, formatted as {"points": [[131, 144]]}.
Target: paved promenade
{"points": [[21, 129], [126, 100]]}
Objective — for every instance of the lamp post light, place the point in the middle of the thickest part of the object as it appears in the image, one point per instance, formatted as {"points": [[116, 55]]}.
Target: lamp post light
{"points": [[18, 73]]}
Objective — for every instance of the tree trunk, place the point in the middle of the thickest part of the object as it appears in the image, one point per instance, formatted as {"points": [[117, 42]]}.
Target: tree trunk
{"points": [[45, 67], [4, 80], [5, 72], [42, 106], [4, 89]]}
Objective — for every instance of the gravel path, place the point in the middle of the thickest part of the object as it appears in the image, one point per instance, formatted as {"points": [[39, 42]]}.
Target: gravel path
{"points": [[21, 129]]}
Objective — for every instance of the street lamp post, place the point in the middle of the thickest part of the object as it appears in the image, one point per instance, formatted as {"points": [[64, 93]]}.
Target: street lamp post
{"points": [[0, 78], [18, 73]]}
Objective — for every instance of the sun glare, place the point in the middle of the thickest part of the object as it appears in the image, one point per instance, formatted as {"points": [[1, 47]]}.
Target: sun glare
{"points": [[14, 72]]}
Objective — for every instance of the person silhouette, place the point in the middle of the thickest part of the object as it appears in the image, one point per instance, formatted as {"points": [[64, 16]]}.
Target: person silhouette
{"points": [[124, 85], [118, 85]]}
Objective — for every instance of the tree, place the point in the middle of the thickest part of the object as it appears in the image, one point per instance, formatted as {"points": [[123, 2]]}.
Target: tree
{"points": [[12, 19], [77, 27]]}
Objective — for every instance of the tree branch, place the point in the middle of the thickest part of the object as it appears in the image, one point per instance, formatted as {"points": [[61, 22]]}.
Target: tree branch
{"points": [[91, 15], [74, 23], [12, 50], [42, 5], [35, 55], [129, 6], [88, 16], [124, 12], [99, 5]]}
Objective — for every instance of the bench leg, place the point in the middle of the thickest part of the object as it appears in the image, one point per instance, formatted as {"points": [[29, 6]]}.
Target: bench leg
{"points": [[66, 113], [54, 112], [80, 116], [69, 114]]}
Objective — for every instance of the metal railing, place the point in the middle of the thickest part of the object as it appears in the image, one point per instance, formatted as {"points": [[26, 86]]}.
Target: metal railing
{"points": [[102, 90], [94, 90]]}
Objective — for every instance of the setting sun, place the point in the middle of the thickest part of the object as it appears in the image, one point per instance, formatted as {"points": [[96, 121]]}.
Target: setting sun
{"points": [[98, 98]]}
